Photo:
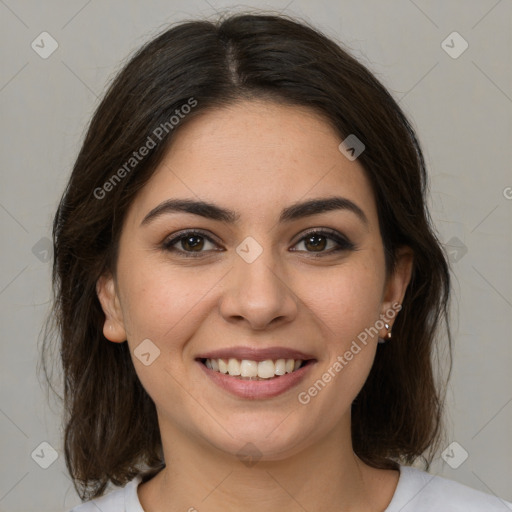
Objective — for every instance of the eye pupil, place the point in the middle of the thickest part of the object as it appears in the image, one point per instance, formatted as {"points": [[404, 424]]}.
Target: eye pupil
{"points": [[190, 242], [318, 245]]}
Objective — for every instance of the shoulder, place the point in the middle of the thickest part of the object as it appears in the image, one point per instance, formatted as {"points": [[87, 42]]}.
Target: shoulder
{"points": [[123, 499], [419, 491]]}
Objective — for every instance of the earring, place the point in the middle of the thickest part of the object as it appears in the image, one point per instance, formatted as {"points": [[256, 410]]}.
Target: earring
{"points": [[388, 335]]}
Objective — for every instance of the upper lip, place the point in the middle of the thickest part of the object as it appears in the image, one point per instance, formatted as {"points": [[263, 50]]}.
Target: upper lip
{"points": [[255, 354]]}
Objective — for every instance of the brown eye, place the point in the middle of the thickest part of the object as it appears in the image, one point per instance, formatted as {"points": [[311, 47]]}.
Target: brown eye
{"points": [[189, 244], [193, 243], [317, 242]]}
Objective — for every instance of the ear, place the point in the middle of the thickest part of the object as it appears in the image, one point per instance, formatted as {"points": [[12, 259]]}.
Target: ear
{"points": [[113, 328], [396, 284]]}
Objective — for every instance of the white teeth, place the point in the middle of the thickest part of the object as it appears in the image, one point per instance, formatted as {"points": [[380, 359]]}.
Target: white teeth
{"points": [[223, 367], [248, 368], [266, 369], [233, 367], [253, 369], [280, 366]]}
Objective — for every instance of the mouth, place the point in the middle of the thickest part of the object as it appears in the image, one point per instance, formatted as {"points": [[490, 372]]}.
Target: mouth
{"points": [[248, 369], [256, 374]]}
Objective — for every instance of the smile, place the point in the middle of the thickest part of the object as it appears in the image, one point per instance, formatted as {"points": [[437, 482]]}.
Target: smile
{"points": [[243, 385], [253, 370]]}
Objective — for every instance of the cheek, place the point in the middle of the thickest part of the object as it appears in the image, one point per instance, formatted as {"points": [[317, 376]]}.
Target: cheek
{"points": [[347, 309], [156, 300], [347, 300], [161, 306]]}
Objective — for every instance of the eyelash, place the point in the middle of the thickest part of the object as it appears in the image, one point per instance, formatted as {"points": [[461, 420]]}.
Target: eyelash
{"points": [[343, 243]]}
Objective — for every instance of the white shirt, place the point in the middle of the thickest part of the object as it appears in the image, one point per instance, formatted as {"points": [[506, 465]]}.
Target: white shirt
{"points": [[417, 491]]}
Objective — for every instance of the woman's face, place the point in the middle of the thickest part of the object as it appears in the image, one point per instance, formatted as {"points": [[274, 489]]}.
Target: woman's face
{"points": [[256, 287]]}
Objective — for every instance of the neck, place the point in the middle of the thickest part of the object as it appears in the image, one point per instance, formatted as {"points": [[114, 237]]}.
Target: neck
{"points": [[326, 476]]}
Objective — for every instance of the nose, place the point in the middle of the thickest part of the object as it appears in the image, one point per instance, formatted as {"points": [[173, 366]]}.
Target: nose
{"points": [[258, 294]]}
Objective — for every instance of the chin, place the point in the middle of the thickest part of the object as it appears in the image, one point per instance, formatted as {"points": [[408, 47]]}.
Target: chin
{"points": [[261, 440]]}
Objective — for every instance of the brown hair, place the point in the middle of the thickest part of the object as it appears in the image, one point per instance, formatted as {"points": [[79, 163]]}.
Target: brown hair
{"points": [[111, 431]]}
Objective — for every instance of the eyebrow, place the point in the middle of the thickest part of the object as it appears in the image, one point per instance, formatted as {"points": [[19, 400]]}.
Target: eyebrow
{"points": [[295, 211]]}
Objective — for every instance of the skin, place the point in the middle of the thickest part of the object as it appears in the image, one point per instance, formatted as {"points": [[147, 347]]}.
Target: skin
{"points": [[272, 156]]}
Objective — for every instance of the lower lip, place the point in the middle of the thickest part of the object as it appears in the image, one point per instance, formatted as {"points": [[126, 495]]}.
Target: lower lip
{"points": [[257, 389]]}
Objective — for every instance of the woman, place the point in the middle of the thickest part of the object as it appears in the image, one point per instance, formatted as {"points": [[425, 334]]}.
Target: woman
{"points": [[248, 284]]}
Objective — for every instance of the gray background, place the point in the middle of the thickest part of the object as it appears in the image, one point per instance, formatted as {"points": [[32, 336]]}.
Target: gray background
{"points": [[461, 108]]}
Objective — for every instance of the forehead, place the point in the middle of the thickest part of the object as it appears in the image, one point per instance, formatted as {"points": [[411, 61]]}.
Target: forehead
{"points": [[256, 157]]}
